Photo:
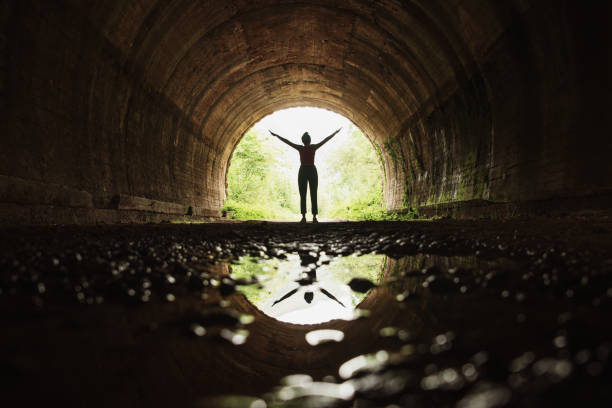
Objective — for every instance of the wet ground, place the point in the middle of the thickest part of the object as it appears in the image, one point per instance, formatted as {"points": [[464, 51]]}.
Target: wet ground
{"points": [[451, 313]]}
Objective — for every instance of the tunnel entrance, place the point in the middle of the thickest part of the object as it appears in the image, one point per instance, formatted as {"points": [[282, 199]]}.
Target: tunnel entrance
{"points": [[262, 179]]}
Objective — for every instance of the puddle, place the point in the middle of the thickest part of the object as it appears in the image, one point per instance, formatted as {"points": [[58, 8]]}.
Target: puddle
{"points": [[312, 288], [308, 288]]}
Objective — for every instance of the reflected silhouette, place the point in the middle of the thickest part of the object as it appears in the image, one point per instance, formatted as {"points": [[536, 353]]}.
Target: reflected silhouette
{"points": [[307, 281], [308, 287]]}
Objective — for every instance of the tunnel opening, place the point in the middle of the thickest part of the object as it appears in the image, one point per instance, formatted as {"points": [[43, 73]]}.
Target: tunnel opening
{"points": [[262, 176]]}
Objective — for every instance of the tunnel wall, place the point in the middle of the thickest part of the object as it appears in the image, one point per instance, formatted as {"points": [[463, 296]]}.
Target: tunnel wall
{"points": [[446, 155], [83, 135], [523, 135], [128, 111]]}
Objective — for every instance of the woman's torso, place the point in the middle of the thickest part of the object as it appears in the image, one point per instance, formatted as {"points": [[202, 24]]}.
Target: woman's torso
{"points": [[307, 155]]}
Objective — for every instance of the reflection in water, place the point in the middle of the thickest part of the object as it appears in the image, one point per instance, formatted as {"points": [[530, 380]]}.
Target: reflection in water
{"points": [[308, 288], [317, 337], [425, 355]]}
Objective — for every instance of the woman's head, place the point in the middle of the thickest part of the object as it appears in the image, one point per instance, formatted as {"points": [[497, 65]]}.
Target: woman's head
{"points": [[306, 138]]}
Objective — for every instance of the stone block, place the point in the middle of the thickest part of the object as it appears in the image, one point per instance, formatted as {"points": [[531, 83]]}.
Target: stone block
{"points": [[21, 191], [127, 202]]}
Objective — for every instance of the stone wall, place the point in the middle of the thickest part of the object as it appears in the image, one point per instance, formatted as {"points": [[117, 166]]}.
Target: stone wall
{"points": [[143, 102], [81, 120], [513, 134]]}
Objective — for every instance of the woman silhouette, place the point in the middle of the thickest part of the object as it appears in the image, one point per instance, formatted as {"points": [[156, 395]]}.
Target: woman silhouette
{"points": [[308, 281], [308, 172]]}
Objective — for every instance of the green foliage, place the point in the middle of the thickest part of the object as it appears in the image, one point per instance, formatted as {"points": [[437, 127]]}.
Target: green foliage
{"points": [[368, 266], [245, 211], [270, 272], [393, 149], [380, 159], [262, 179], [354, 187], [258, 187], [410, 214]]}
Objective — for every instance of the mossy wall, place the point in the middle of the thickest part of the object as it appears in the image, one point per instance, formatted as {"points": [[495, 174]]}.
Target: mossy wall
{"points": [[526, 127], [444, 156]]}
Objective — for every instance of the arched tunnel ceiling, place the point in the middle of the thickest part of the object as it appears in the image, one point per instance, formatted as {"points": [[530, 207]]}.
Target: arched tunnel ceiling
{"points": [[464, 99], [228, 64]]}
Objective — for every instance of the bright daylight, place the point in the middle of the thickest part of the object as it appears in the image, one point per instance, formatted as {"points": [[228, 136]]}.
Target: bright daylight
{"points": [[263, 174]]}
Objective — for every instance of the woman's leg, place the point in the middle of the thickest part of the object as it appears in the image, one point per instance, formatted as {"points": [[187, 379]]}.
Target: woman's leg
{"points": [[314, 183], [302, 184]]}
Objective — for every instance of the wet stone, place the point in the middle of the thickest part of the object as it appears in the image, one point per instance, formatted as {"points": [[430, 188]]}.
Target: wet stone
{"points": [[361, 285], [236, 337], [317, 337]]}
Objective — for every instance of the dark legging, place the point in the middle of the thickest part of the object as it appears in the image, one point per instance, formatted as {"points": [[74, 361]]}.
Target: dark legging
{"points": [[308, 175]]}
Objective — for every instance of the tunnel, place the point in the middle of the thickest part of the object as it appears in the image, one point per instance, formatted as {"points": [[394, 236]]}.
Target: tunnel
{"points": [[119, 120], [129, 111]]}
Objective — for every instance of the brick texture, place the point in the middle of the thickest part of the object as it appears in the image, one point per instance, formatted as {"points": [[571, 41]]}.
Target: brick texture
{"points": [[464, 100]]}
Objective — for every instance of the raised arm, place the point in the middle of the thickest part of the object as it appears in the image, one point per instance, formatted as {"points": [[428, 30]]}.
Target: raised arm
{"points": [[287, 295], [327, 139], [332, 297], [282, 139]]}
